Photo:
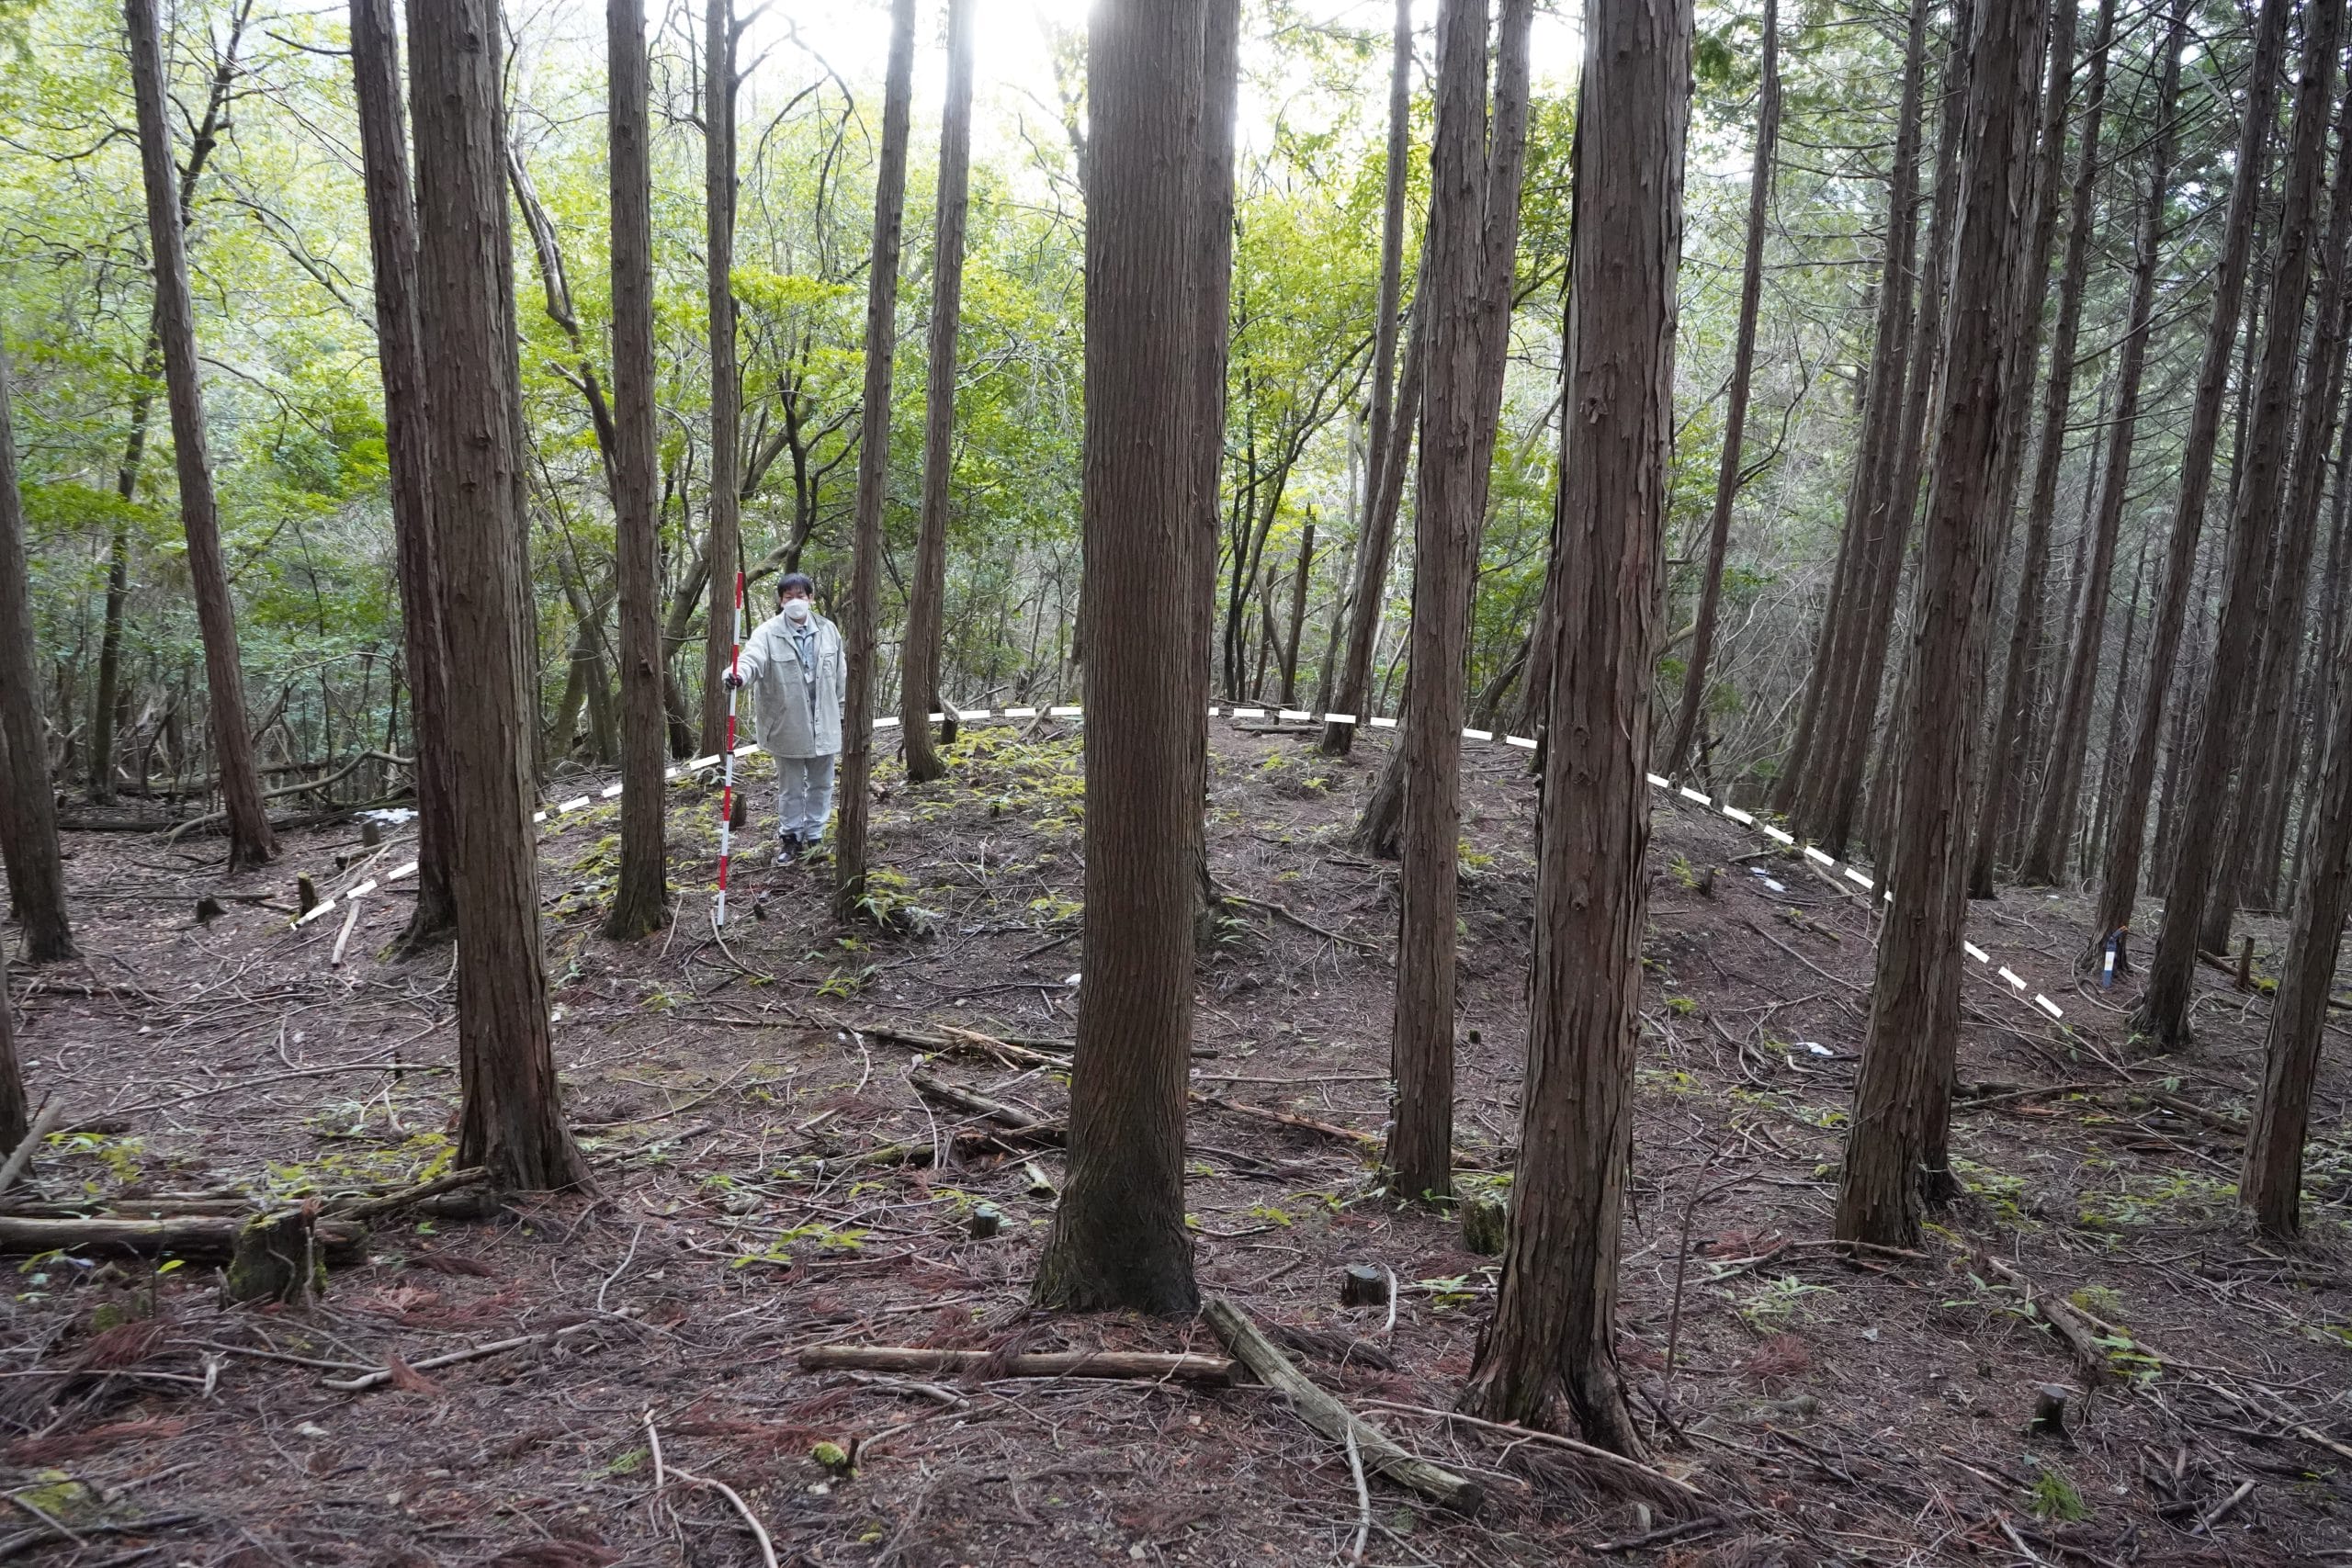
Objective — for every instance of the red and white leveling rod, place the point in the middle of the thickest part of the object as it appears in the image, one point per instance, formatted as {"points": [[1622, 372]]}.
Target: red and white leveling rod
{"points": [[727, 792]]}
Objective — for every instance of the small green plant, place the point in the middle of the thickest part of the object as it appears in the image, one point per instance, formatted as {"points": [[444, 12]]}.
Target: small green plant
{"points": [[1681, 1007], [2055, 1498], [1768, 1308]]}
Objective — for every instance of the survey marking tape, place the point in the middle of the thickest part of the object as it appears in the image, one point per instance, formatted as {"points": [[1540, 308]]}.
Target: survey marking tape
{"points": [[1975, 952], [1525, 742], [2010, 976], [1813, 852], [2046, 1005], [1853, 875], [1689, 794]]}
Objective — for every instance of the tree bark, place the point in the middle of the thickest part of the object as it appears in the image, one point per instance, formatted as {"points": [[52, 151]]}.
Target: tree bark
{"points": [[1212, 306], [1118, 1238], [2013, 710], [28, 817], [251, 842], [865, 607], [2163, 1013], [2054, 816], [1908, 1051], [510, 1122], [1838, 646], [1728, 474], [15, 1114], [1551, 1343], [926, 608], [2120, 884], [391, 234], [1376, 527], [2271, 1179], [723, 541], [641, 899], [2247, 877], [1473, 237]]}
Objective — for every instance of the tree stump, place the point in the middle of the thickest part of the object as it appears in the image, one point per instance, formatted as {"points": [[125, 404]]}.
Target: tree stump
{"points": [[208, 909], [1486, 1226], [2049, 1413], [1362, 1285], [277, 1259], [739, 813], [306, 892], [370, 835], [987, 1220]]}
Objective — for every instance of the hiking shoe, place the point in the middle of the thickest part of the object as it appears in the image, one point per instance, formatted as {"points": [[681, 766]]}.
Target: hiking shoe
{"points": [[788, 849]]}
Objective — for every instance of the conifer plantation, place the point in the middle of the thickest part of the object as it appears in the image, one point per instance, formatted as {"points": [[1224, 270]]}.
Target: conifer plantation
{"points": [[930, 782]]}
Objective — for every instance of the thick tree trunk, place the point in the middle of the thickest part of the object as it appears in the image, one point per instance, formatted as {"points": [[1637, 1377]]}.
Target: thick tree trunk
{"points": [[1384, 483], [1838, 644], [2163, 1013], [2270, 1183], [511, 1122], [1728, 474], [1552, 1341], [29, 814], [2251, 869], [865, 607], [641, 899], [1118, 1237], [251, 842], [2013, 709], [2119, 702], [1472, 236], [391, 234], [2045, 862], [1902, 1093], [926, 607], [2119, 883], [723, 541]]}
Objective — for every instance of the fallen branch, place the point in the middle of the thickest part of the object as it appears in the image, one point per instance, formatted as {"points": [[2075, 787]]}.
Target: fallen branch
{"points": [[1632, 1474], [204, 1237], [383, 1375], [2246, 1402], [1280, 912], [22, 1155], [1288, 1119], [1016, 1124], [303, 787], [1333, 1419], [767, 1547], [371, 1208], [1150, 1365], [2090, 1356]]}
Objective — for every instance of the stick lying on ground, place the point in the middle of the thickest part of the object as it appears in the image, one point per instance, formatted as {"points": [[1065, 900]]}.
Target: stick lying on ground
{"points": [[1333, 1419], [383, 1375], [1150, 1365], [371, 1208], [23, 1156]]}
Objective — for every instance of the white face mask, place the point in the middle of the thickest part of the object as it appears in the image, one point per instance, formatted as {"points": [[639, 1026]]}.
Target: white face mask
{"points": [[796, 609]]}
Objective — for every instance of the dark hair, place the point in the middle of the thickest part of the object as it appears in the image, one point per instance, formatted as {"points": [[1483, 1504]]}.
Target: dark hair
{"points": [[792, 580]]}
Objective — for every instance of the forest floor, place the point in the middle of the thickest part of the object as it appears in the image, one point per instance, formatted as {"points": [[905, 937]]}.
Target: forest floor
{"points": [[1829, 1409]]}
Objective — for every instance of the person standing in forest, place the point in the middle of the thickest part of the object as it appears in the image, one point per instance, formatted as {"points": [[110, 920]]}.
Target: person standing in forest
{"points": [[796, 669]]}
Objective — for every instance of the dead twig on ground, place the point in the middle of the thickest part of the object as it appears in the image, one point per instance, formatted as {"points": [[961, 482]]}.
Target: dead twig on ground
{"points": [[1150, 1365]]}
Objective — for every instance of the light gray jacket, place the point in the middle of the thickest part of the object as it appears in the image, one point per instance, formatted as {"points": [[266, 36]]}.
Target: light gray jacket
{"points": [[793, 718]]}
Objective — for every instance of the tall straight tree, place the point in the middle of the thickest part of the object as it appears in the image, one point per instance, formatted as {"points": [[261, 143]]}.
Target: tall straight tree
{"points": [[392, 238], [2260, 481], [1908, 1051], [2054, 812], [1376, 526], [2270, 1183], [14, 1112], [1729, 474], [510, 1121], [29, 814], [2119, 882], [1835, 644], [926, 609], [2250, 871], [251, 842], [1118, 1237], [1552, 1341], [2012, 709], [1203, 404], [872, 467], [642, 900], [722, 542], [1472, 236]]}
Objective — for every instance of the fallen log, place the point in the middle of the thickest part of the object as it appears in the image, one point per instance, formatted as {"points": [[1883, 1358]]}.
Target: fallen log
{"points": [[1152, 1366], [1016, 1124], [198, 1237], [369, 1208], [1334, 1420], [2090, 1356]]}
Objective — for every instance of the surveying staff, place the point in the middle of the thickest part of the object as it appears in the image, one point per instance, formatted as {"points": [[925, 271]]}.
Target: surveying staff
{"points": [[793, 665]]}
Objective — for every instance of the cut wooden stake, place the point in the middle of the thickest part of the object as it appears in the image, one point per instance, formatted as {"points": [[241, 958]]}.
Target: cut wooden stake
{"points": [[342, 938], [1146, 1365], [1333, 1419]]}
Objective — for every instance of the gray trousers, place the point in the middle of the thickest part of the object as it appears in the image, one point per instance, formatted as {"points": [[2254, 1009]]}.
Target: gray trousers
{"points": [[804, 800]]}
